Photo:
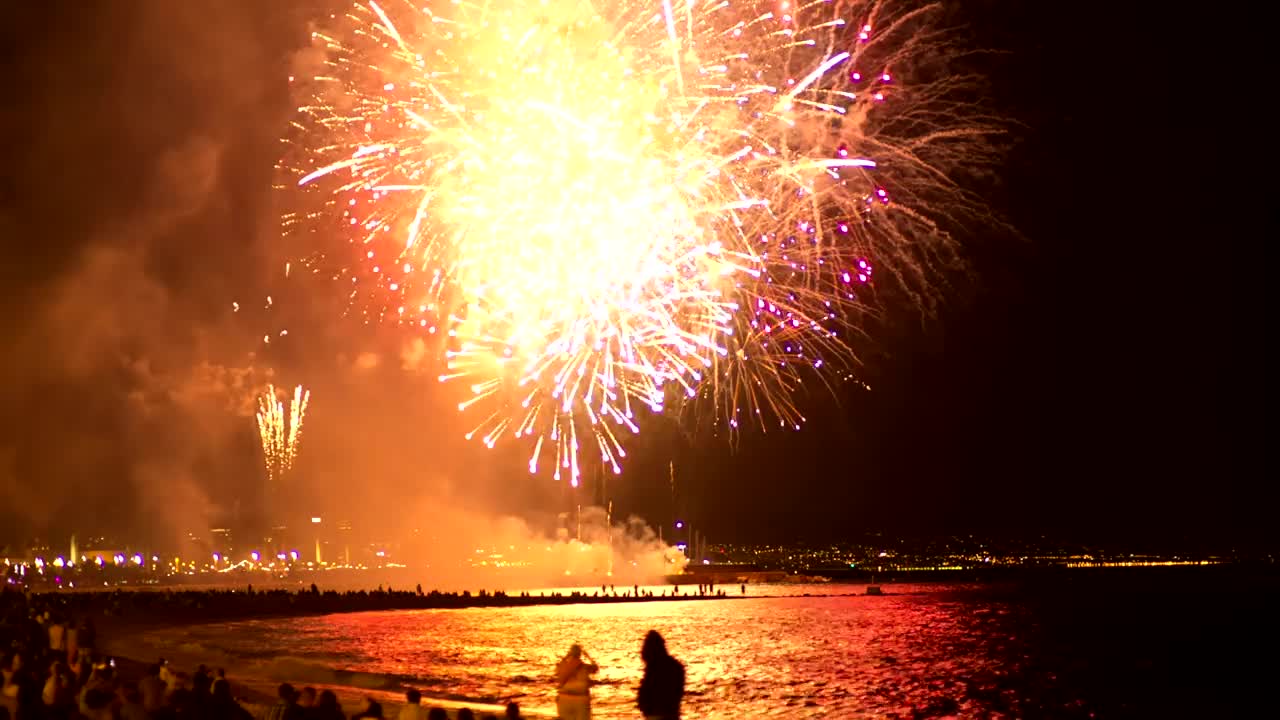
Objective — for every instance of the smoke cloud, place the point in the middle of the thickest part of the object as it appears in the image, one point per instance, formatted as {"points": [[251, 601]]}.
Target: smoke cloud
{"points": [[158, 312], [130, 383], [453, 549]]}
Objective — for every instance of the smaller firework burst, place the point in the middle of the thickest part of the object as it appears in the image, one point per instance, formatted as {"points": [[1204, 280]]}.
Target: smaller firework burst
{"points": [[280, 431]]}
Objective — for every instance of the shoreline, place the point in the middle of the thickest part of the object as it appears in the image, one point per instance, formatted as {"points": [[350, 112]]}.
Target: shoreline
{"points": [[256, 695]]}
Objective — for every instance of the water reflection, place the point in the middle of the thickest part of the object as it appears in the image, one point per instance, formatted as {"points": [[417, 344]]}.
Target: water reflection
{"points": [[841, 656]]}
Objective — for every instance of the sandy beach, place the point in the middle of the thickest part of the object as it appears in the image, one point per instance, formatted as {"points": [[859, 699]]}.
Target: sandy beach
{"points": [[256, 694]]}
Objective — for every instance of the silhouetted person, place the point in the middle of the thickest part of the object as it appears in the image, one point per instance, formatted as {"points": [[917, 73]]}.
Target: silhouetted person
{"points": [[219, 677], [87, 635], [573, 685], [22, 690], [57, 636], [202, 685], [466, 714], [436, 713], [513, 711], [222, 706], [59, 690], [662, 687], [72, 641], [372, 710], [152, 689], [327, 707], [412, 709], [286, 708]]}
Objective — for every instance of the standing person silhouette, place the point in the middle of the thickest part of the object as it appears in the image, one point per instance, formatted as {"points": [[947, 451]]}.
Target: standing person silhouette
{"points": [[573, 684], [662, 687]]}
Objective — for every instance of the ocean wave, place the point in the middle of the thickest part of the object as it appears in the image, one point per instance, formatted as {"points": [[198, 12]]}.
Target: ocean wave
{"points": [[261, 670], [310, 671]]}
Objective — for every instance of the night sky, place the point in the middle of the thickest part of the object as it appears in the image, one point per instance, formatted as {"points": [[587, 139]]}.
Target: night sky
{"points": [[1100, 378]]}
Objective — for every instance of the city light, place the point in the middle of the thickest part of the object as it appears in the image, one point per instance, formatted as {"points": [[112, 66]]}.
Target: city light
{"points": [[874, 554]]}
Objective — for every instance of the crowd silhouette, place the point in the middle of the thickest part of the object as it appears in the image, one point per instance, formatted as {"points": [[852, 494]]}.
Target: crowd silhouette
{"points": [[170, 605]]}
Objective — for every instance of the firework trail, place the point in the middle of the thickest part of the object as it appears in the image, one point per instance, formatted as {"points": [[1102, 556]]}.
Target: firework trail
{"points": [[611, 207], [280, 432]]}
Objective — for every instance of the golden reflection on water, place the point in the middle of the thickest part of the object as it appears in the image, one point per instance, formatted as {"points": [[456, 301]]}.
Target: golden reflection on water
{"points": [[834, 657]]}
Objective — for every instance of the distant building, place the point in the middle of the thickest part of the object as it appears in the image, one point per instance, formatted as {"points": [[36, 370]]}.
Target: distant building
{"points": [[223, 541], [344, 540]]}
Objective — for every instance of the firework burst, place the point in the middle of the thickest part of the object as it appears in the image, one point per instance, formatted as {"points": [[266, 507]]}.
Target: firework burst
{"points": [[609, 207], [279, 431]]}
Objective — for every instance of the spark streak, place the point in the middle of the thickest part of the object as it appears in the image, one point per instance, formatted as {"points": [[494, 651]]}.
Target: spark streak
{"points": [[280, 432]]}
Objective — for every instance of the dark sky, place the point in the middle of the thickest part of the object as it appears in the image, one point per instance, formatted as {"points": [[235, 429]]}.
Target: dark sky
{"points": [[1102, 378]]}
